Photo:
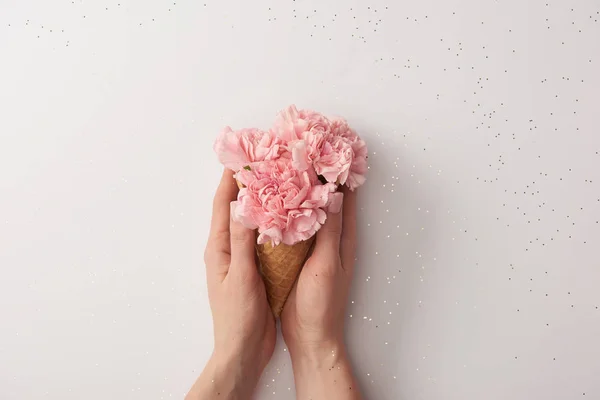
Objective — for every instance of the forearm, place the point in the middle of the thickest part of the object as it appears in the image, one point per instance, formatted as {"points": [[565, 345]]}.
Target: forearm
{"points": [[324, 374], [222, 379]]}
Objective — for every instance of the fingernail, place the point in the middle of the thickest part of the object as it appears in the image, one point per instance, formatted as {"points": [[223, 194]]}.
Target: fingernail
{"points": [[335, 205]]}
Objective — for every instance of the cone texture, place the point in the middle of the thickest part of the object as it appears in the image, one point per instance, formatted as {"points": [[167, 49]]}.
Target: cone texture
{"points": [[280, 266]]}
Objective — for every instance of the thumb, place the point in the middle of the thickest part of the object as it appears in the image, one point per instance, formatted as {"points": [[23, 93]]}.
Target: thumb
{"points": [[242, 249], [328, 237]]}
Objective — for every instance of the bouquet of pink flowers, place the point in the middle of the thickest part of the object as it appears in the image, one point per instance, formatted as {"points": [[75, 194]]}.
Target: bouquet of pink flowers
{"points": [[288, 178]]}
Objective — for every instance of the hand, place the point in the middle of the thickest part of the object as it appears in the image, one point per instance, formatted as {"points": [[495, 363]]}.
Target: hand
{"points": [[312, 320], [244, 327]]}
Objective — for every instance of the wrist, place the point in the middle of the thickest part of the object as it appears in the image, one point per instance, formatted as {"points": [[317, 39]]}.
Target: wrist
{"points": [[324, 372], [237, 369], [317, 356], [224, 377]]}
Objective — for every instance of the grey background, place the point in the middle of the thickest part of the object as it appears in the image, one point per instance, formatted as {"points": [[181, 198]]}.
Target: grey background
{"points": [[478, 263]]}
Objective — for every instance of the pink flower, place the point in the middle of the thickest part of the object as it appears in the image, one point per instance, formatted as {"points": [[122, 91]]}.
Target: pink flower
{"points": [[359, 167], [284, 204], [335, 160], [304, 133], [290, 124], [343, 157], [307, 150], [237, 149]]}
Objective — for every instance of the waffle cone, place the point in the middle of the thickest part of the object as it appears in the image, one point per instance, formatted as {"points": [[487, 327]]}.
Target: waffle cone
{"points": [[280, 267]]}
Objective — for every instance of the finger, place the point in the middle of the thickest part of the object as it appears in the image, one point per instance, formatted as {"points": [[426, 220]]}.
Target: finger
{"points": [[328, 237], [218, 247], [348, 238], [242, 249], [290, 303]]}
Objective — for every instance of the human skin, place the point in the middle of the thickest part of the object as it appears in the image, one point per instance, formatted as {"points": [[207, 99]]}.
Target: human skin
{"points": [[312, 320]]}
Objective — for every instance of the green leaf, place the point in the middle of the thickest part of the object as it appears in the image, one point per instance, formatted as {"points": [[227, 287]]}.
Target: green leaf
{"points": [[247, 168]]}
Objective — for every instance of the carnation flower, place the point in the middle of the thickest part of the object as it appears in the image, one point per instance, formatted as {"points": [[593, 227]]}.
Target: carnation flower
{"points": [[343, 157], [284, 204], [304, 133], [291, 124], [236, 149], [335, 160], [290, 173]]}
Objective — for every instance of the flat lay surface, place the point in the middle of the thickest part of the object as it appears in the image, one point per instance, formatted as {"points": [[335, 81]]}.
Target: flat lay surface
{"points": [[478, 264]]}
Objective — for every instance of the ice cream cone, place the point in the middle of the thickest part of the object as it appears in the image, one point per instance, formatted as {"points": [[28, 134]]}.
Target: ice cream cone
{"points": [[280, 267]]}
